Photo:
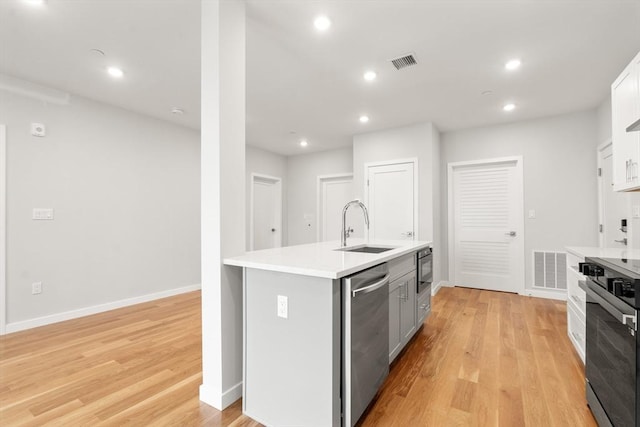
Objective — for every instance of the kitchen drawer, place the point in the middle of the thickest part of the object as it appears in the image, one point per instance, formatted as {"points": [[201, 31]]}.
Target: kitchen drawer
{"points": [[573, 260], [575, 294], [402, 265], [576, 329], [423, 307]]}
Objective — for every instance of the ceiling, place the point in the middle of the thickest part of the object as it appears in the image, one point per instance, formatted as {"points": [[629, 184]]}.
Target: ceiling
{"points": [[305, 84]]}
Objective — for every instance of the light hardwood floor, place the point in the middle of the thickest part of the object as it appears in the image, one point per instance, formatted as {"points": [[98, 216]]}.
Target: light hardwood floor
{"points": [[482, 359]]}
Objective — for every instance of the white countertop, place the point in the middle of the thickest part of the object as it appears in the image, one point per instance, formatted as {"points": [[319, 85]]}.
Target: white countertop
{"points": [[586, 251], [322, 260]]}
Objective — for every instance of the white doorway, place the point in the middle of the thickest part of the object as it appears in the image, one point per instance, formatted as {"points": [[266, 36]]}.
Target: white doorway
{"points": [[613, 205], [391, 190], [3, 229], [265, 230], [334, 191], [486, 224]]}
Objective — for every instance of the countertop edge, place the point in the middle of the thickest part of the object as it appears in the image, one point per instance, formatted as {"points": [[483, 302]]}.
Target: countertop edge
{"points": [[327, 274]]}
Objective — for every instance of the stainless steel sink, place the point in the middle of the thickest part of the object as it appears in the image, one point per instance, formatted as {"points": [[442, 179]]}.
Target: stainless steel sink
{"points": [[366, 249]]}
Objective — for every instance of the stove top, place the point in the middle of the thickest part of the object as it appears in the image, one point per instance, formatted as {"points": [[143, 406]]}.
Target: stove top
{"points": [[628, 267]]}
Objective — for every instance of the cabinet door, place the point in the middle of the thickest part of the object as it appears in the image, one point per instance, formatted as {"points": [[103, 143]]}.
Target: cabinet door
{"points": [[625, 109], [395, 296], [408, 307]]}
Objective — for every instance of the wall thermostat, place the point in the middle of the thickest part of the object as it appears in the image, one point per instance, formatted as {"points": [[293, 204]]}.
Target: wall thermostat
{"points": [[37, 129]]}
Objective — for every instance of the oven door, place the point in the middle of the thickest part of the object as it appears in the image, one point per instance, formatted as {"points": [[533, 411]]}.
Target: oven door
{"points": [[425, 272], [610, 357]]}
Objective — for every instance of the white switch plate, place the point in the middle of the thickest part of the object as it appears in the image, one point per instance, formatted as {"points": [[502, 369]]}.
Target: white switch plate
{"points": [[36, 288], [532, 213], [43, 214], [636, 211], [38, 129], [283, 306]]}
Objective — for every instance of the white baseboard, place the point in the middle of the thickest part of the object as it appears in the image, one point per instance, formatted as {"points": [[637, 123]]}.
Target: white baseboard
{"points": [[560, 295], [219, 400], [87, 311], [440, 284]]}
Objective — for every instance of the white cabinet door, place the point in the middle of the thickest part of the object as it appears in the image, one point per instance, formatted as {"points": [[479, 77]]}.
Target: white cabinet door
{"points": [[625, 109], [390, 200]]}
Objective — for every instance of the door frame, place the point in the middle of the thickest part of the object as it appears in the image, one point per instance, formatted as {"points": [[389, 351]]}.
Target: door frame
{"points": [[416, 188], [3, 229], [520, 268], [321, 179], [255, 177], [600, 151]]}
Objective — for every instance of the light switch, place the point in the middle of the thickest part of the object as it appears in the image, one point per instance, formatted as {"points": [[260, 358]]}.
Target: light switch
{"points": [[636, 211], [532, 213], [42, 214]]}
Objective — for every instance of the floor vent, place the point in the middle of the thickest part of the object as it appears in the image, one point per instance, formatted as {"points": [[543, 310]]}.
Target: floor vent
{"points": [[550, 270], [404, 61]]}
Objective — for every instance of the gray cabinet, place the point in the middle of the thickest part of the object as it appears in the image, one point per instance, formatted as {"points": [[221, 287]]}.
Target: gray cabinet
{"points": [[402, 312], [424, 307]]}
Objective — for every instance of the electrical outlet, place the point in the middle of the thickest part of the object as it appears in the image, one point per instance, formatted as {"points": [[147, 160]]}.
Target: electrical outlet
{"points": [[36, 288], [42, 214], [283, 306]]}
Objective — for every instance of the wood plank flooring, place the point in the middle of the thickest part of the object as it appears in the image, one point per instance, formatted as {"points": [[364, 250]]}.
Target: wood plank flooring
{"points": [[482, 359]]}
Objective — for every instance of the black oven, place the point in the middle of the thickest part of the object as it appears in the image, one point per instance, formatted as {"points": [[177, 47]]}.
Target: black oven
{"points": [[425, 270], [611, 344]]}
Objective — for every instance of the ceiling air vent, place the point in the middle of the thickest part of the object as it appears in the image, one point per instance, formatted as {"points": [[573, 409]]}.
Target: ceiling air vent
{"points": [[404, 61]]}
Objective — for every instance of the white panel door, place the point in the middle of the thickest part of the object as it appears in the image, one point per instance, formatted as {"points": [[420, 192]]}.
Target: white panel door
{"points": [[614, 205], [334, 194], [487, 218], [391, 201], [266, 214]]}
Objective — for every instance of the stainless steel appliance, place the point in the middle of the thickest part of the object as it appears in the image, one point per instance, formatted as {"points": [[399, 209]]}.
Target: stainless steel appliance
{"points": [[612, 345], [365, 345], [425, 278]]}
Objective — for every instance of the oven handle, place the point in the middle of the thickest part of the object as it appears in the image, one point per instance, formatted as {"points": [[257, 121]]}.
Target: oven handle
{"points": [[625, 319]]}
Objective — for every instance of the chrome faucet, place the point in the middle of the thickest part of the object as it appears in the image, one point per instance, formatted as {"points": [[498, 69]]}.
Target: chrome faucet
{"points": [[345, 232]]}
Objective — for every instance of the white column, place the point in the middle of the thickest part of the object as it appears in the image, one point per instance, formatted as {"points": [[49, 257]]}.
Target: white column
{"points": [[223, 197]]}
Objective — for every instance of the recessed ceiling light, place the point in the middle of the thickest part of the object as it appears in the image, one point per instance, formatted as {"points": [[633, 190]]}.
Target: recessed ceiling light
{"points": [[509, 107], [303, 143], [370, 76], [514, 64], [115, 72], [176, 110], [322, 23], [364, 119], [36, 3]]}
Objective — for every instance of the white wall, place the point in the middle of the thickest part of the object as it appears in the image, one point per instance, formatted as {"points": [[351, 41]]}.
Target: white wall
{"points": [[126, 193], [559, 157], [272, 164], [419, 141], [302, 174], [603, 121]]}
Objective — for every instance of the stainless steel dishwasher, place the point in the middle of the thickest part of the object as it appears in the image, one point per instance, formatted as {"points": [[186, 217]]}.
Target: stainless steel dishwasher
{"points": [[365, 339]]}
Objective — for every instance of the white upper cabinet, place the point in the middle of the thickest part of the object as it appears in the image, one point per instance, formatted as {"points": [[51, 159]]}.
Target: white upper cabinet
{"points": [[625, 107]]}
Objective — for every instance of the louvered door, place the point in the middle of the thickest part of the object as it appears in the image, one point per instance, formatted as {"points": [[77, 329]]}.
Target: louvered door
{"points": [[487, 217]]}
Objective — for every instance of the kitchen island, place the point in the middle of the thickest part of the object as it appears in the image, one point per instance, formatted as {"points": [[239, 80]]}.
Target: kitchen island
{"points": [[293, 327]]}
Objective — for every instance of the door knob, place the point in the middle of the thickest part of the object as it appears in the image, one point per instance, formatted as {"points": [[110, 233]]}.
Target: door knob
{"points": [[408, 233], [511, 233], [273, 230]]}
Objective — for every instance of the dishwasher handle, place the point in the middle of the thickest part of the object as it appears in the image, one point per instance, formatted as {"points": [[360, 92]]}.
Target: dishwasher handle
{"points": [[371, 288]]}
